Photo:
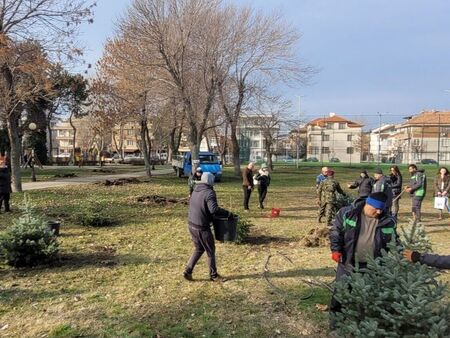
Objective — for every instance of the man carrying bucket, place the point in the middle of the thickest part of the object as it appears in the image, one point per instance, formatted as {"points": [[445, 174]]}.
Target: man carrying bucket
{"points": [[203, 208]]}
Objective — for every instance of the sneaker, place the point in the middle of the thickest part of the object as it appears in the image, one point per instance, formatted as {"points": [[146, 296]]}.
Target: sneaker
{"points": [[218, 278], [188, 276]]}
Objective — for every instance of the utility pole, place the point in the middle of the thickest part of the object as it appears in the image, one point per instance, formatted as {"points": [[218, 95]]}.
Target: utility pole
{"points": [[379, 137], [439, 139], [298, 130]]}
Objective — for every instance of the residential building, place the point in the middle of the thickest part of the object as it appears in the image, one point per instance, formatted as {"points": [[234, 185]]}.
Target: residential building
{"points": [[334, 137], [423, 136], [381, 143], [252, 142]]}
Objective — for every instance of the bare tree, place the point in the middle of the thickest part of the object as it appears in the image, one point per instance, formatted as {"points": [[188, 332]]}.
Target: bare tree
{"points": [[270, 115], [261, 48], [47, 25]]}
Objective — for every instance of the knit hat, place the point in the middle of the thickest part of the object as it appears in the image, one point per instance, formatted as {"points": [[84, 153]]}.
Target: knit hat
{"points": [[207, 178], [378, 171], [264, 166], [199, 170], [377, 200]]}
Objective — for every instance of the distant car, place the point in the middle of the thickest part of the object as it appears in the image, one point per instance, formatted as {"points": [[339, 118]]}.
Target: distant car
{"points": [[112, 159], [312, 159], [428, 161], [335, 160], [63, 155]]}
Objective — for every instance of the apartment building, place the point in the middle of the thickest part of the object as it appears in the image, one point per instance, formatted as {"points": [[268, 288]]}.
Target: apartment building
{"points": [[381, 143], [421, 137], [334, 137]]}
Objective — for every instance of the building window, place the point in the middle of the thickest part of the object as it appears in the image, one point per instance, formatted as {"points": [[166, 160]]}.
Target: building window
{"points": [[255, 144], [444, 156], [130, 143], [310, 138], [350, 138], [342, 125], [325, 137], [444, 142], [130, 132], [416, 142], [350, 150], [325, 150], [329, 125], [314, 150]]}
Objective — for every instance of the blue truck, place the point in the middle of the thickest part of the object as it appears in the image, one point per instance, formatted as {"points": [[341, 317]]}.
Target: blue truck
{"points": [[208, 162]]}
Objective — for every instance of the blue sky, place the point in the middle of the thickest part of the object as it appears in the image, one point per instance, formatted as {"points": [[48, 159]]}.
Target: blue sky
{"points": [[391, 57]]}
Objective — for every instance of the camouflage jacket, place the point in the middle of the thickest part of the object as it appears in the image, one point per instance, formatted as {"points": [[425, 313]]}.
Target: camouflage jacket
{"points": [[328, 190]]}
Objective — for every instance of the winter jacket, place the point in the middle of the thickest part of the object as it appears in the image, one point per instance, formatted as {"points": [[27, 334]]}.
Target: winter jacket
{"points": [[344, 233], [438, 184], [396, 184], [247, 177], [203, 206], [436, 261], [364, 185], [328, 190], [384, 185], [418, 184], [263, 179], [5, 181]]}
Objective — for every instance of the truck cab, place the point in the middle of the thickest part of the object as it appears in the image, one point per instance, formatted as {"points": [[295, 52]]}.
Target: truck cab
{"points": [[208, 162]]}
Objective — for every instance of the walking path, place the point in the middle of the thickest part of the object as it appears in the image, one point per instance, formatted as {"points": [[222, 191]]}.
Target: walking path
{"points": [[89, 179]]}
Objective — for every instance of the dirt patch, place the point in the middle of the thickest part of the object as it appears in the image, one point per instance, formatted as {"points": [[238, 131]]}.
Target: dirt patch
{"points": [[317, 237], [120, 181], [105, 171], [68, 175], [161, 200]]}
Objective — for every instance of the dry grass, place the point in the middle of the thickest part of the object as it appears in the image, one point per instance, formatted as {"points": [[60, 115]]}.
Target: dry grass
{"points": [[125, 281]]}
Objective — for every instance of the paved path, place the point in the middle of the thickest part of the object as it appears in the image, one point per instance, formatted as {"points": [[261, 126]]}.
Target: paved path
{"points": [[89, 179]]}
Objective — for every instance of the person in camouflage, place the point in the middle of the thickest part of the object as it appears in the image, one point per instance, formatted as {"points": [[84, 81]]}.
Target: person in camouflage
{"points": [[328, 190]]}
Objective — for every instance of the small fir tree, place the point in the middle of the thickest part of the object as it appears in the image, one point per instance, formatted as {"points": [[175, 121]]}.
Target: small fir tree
{"points": [[29, 241], [415, 238], [392, 298]]}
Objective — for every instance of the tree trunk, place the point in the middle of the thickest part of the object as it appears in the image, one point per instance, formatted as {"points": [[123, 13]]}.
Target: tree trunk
{"points": [[74, 137], [16, 151], [269, 156], [236, 150], [195, 149], [144, 145], [50, 141]]}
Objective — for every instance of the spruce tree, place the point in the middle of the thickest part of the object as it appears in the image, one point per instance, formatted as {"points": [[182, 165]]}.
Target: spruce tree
{"points": [[415, 238], [392, 298], [29, 241]]}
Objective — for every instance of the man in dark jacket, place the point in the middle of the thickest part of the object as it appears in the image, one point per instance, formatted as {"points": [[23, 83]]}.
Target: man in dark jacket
{"points": [[5, 188], [435, 261], [247, 183], [417, 189], [193, 179], [359, 231], [364, 184], [383, 184], [202, 208]]}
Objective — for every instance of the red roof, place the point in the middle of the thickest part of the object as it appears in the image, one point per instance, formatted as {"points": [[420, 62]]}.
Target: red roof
{"points": [[430, 117], [321, 122]]}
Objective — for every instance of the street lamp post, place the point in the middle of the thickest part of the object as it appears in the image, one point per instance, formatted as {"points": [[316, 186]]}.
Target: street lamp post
{"points": [[32, 126]]}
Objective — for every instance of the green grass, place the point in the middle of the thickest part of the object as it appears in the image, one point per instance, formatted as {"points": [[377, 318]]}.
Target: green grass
{"points": [[125, 280]]}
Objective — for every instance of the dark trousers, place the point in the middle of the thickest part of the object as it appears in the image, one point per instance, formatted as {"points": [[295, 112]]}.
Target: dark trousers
{"points": [[203, 240], [247, 193], [4, 199], [262, 192], [417, 208]]}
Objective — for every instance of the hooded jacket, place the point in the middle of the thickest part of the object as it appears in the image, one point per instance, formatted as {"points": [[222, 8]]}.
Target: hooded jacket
{"points": [[203, 206], [364, 185], [5, 181], [418, 184], [344, 233]]}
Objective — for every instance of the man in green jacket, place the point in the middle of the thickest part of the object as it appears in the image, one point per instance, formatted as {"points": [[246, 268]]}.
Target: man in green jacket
{"points": [[417, 188]]}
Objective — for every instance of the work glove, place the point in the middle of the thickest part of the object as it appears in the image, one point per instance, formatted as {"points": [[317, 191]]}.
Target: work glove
{"points": [[411, 256], [336, 256]]}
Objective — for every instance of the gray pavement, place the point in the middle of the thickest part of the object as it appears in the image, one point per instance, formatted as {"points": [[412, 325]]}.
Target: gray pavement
{"points": [[64, 182]]}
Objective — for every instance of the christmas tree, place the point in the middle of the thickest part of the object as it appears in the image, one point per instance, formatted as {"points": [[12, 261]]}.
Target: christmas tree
{"points": [[29, 241], [392, 298], [415, 238]]}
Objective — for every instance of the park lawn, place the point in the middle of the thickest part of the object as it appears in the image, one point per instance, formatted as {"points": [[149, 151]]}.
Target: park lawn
{"points": [[126, 280], [55, 172]]}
